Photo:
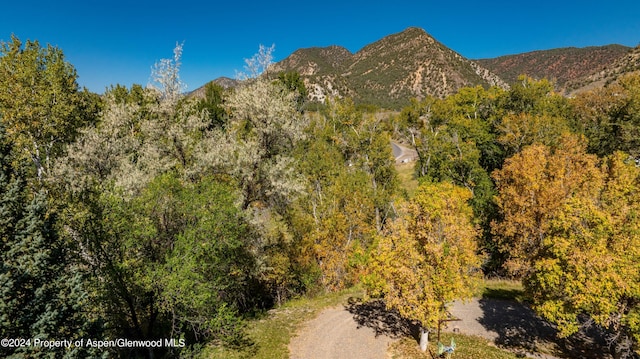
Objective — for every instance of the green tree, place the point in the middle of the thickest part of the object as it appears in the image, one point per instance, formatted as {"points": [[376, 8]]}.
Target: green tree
{"points": [[427, 259], [200, 266], [214, 103], [43, 293], [294, 83], [531, 112], [40, 105], [173, 261], [610, 117], [534, 97]]}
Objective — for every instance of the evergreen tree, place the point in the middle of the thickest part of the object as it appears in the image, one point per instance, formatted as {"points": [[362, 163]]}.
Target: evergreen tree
{"points": [[40, 293]]}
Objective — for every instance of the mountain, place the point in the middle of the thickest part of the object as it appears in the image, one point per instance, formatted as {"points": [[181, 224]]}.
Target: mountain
{"points": [[387, 72], [321, 69], [412, 63], [630, 62], [225, 82], [562, 65]]}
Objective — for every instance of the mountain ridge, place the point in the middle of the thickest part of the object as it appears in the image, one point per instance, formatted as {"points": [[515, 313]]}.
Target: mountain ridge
{"points": [[561, 65], [413, 64], [387, 72]]}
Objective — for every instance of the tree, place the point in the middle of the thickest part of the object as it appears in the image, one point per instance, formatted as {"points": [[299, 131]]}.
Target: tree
{"points": [[455, 139], [610, 117], [264, 128], [175, 260], [532, 185], [293, 82], [199, 265], [139, 136], [165, 75], [534, 97], [258, 64], [214, 103], [520, 130], [428, 257], [343, 228], [129, 182], [39, 101], [587, 262], [351, 186], [43, 292]]}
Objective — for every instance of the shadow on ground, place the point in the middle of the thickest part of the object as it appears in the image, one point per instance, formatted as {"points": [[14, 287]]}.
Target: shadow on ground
{"points": [[373, 314], [519, 327]]}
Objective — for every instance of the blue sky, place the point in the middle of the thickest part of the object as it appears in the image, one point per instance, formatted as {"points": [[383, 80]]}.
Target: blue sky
{"points": [[118, 41]]}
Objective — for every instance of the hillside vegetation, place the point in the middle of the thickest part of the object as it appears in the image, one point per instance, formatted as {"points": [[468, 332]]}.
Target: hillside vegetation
{"points": [[387, 72], [563, 66]]}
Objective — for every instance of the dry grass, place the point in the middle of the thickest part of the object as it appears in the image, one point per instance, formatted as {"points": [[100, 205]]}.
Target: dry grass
{"points": [[407, 178]]}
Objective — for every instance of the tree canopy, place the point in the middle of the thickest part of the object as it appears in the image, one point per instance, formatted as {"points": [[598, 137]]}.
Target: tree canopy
{"points": [[428, 258]]}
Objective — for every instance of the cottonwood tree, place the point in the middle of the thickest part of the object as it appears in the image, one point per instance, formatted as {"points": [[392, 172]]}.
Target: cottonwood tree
{"points": [[587, 263], [351, 184], [610, 117], [517, 131], [456, 140], [39, 100], [427, 259], [532, 186]]}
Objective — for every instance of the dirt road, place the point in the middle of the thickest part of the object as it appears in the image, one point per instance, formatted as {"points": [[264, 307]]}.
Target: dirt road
{"points": [[365, 330], [335, 333]]}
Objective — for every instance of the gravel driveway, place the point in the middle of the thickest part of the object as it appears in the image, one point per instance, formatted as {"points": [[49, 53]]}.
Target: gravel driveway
{"points": [[365, 330], [336, 334]]}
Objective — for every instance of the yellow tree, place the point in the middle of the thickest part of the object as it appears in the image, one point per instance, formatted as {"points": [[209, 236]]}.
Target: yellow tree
{"points": [[532, 186], [588, 263], [428, 257], [344, 228]]}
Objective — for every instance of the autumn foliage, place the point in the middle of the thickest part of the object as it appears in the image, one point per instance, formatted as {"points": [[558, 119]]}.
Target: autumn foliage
{"points": [[427, 259]]}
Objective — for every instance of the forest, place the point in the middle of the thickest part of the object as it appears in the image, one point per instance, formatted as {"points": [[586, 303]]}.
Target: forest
{"points": [[148, 214]]}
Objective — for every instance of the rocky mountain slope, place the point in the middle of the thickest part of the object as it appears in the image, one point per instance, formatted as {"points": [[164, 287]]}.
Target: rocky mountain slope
{"points": [[630, 62], [559, 65], [387, 72], [412, 63], [225, 82]]}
